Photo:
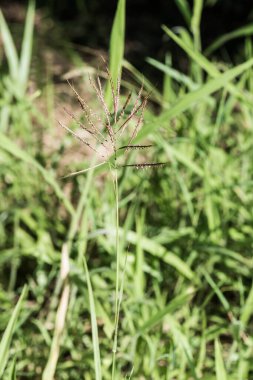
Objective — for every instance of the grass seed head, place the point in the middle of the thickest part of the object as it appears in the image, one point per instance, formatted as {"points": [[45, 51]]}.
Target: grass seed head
{"points": [[114, 130]]}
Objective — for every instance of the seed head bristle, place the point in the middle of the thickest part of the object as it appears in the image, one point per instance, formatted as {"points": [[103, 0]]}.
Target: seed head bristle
{"points": [[146, 165], [115, 94], [100, 95], [87, 111], [80, 138], [108, 136], [74, 118], [117, 100], [124, 107], [90, 132], [135, 109], [80, 100], [135, 147], [139, 122], [132, 114]]}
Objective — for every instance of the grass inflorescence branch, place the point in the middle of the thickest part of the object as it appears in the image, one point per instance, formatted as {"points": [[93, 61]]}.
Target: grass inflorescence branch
{"points": [[114, 130]]}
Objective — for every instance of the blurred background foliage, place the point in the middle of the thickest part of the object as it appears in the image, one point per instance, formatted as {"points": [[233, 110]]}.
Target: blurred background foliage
{"points": [[186, 228]]}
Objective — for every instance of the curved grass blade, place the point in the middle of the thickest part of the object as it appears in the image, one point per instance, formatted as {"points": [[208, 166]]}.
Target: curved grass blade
{"points": [[245, 31], [9, 48], [117, 44], [225, 252], [174, 74], [181, 157], [193, 97], [203, 62], [83, 170], [193, 54], [9, 146], [210, 87], [148, 86], [174, 304], [159, 251], [217, 291], [9, 331]]}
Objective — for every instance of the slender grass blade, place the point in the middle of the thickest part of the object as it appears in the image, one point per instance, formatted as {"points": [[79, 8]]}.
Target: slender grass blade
{"points": [[9, 331], [26, 50], [94, 327], [219, 364], [117, 45], [9, 48]]}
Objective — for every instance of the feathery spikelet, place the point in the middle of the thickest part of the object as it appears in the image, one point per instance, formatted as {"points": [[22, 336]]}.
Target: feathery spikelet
{"points": [[109, 129]]}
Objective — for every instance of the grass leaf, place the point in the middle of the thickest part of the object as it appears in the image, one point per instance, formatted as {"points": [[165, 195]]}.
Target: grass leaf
{"points": [[174, 74], [26, 50], [219, 364], [247, 310], [195, 22], [9, 331], [157, 250], [217, 291], [117, 45], [240, 32], [185, 10], [202, 61], [171, 308], [9, 146], [193, 97], [9, 48]]}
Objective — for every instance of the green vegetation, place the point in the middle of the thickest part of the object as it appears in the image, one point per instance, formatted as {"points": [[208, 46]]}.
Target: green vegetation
{"points": [[173, 242]]}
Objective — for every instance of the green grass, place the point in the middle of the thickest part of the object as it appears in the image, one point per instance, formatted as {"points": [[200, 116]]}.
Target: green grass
{"points": [[183, 265], [8, 333]]}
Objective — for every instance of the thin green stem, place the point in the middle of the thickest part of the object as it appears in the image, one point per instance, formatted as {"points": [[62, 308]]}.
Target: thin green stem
{"points": [[117, 304]]}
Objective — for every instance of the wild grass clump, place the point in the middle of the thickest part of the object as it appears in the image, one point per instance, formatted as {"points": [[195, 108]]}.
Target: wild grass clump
{"points": [[112, 132]]}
